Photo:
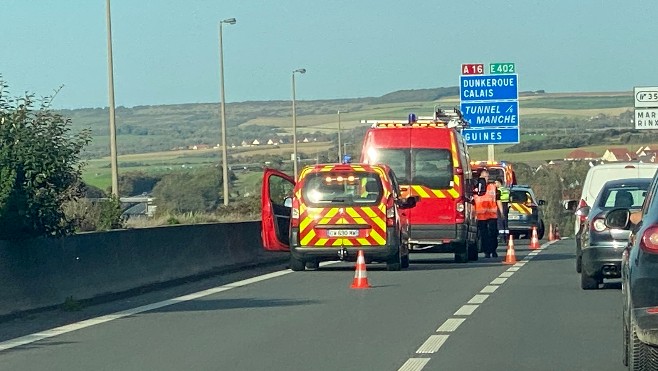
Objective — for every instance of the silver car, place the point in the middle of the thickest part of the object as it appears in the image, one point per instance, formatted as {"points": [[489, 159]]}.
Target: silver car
{"points": [[601, 247]]}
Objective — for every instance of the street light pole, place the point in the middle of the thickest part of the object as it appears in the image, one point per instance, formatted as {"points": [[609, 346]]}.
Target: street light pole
{"points": [[225, 179], [339, 154], [114, 164], [294, 123]]}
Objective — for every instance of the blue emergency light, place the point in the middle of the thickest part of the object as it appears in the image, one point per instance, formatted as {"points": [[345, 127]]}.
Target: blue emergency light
{"points": [[347, 159], [412, 118]]}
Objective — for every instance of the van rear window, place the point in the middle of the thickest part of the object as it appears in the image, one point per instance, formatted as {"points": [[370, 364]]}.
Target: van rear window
{"points": [[342, 188], [419, 166]]}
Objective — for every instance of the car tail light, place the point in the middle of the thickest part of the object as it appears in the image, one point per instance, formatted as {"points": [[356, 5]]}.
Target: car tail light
{"points": [[582, 218], [460, 208], [294, 213], [649, 240], [390, 212], [599, 225]]}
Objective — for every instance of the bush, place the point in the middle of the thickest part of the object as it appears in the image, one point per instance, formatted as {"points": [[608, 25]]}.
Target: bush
{"points": [[95, 215]]}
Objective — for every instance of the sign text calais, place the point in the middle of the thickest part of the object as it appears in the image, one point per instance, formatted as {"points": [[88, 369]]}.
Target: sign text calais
{"points": [[490, 104]]}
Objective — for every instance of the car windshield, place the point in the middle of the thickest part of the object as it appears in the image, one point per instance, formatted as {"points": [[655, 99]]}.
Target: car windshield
{"points": [[628, 196], [428, 167], [520, 196], [342, 188]]}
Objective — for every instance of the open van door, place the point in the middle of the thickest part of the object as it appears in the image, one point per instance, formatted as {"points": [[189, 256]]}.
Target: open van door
{"points": [[275, 215]]}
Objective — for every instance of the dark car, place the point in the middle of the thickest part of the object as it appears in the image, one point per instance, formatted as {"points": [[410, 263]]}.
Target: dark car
{"points": [[639, 269], [601, 248], [525, 212]]}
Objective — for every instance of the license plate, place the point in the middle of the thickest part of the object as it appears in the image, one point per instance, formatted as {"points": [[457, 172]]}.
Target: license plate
{"points": [[514, 217], [342, 233]]}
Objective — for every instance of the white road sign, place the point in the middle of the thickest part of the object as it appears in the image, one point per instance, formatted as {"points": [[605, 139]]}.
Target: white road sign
{"points": [[646, 118], [646, 97]]}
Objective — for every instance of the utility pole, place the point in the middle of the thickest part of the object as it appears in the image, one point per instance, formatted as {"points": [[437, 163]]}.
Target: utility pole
{"points": [[114, 164]]}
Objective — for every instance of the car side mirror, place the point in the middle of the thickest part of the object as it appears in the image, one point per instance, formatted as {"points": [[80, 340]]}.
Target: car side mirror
{"points": [[618, 218], [541, 202], [571, 205], [583, 211], [287, 202]]}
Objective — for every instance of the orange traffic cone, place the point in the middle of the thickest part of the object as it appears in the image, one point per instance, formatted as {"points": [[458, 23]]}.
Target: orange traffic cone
{"points": [[551, 236], [534, 241], [556, 234], [510, 257], [360, 275]]}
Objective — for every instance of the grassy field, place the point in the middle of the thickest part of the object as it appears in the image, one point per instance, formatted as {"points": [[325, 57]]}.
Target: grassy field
{"points": [[321, 116]]}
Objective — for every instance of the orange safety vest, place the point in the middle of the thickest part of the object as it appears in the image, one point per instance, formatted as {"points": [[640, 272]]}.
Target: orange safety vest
{"points": [[485, 205]]}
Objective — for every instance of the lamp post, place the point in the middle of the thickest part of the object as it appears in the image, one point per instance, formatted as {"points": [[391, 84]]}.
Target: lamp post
{"points": [[114, 165], [294, 122], [340, 155], [223, 111]]}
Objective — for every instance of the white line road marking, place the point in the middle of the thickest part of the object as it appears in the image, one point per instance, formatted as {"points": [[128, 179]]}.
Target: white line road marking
{"points": [[519, 264], [432, 344], [489, 289], [450, 324], [28, 339], [513, 269], [414, 364], [478, 299], [466, 310], [506, 274], [498, 281]]}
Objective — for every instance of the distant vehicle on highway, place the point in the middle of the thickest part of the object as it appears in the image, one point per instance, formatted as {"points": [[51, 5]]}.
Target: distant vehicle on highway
{"points": [[525, 212], [497, 170], [639, 269], [332, 212], [601, 247], [594, 180]]}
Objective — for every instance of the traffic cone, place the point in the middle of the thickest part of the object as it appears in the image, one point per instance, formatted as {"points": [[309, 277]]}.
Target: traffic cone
{"points": [[556, 234], [510, 257], [534, 241], [360, 275], [551, 236]]}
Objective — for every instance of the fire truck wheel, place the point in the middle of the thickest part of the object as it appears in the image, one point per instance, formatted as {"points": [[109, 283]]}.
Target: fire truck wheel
{"points": [[472, 249], [296, 264], [405, 261]]}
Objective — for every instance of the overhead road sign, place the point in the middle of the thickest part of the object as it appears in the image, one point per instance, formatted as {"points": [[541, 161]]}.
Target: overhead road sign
{"points": [[646, 118], [473, 88], [646, 97], [500, 135], [488, 114]]}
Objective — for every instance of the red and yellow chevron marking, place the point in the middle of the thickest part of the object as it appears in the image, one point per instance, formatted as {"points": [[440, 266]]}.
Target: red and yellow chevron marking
{"points": [[424, 192], [521, 208], [374, 217]]}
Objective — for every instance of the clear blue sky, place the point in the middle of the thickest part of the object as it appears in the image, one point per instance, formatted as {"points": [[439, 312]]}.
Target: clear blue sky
{"points": [[166, 51]]}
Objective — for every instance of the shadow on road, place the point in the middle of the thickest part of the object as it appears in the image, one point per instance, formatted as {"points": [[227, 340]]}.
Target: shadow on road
{"points": [[223, 304], [38, 345]]}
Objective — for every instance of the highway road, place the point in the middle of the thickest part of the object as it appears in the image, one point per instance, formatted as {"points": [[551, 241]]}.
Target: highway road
{"points": [[437, 315]]}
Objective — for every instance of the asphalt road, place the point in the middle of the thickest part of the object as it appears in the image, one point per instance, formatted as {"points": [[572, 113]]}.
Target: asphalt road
{"points": [[437, 315]]}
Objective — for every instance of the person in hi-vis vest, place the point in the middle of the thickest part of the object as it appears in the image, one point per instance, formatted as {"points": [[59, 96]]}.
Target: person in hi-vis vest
{"points": [[487, 206], [503, 228]]}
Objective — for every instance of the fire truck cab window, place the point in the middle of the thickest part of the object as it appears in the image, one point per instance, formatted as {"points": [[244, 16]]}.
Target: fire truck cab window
{"points": [[432, 168]]}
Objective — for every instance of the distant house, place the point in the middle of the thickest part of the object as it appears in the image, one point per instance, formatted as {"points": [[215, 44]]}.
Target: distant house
{"points": [[255, 142], [617, 154], [244, 143], [270, 142], [648, 156], [200, 146], [580, 154], [643, 151], [305, 140]]}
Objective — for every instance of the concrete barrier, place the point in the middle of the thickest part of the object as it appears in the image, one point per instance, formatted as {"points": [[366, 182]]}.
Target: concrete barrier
{"points": [[44, 272]]}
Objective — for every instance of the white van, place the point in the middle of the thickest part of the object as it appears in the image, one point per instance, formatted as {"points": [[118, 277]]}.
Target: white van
{"points": [[596, 177]]}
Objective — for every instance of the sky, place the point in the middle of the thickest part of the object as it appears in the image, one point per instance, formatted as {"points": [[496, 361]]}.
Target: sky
{"points": [[167, 51]]}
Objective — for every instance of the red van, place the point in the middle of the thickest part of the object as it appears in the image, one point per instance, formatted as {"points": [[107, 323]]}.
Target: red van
{"points": [[430, 159]]}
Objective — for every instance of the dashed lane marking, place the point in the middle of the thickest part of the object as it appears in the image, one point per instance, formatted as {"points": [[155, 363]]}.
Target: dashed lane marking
{"points": [[466, 310], [478, 299], [414, 364], [450, 324], [432, 344]]}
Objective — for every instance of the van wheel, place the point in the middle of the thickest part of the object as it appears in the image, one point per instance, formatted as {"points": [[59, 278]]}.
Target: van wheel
{"points": [[579, 264], [296, 264], [541, 230], [313, 265], [472, 250]]}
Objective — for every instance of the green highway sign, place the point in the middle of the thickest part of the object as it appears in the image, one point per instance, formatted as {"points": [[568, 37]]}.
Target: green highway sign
{"points": [[496, 68]]}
